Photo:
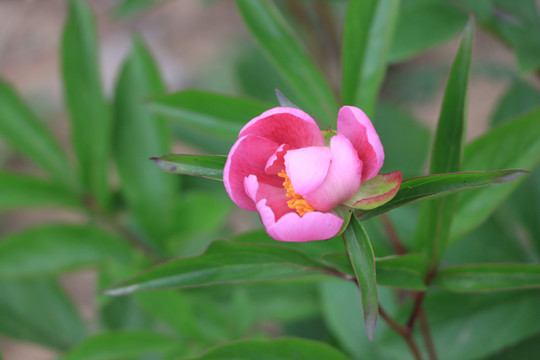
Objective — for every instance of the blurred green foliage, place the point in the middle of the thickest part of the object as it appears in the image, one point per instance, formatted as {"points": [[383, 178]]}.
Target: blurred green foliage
{"points": [[131, 215]]}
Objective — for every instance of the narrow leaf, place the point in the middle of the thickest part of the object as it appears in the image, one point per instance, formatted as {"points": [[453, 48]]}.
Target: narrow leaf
{"points": [[367, 35], [284, 348], [436, 216], [411, 36], [403, 272], [209, 113], [210, 167], [363, 262], [283, 101], [30, 308], [20, 127], [488, 277], [22, 191], [121, 345], [224, 263], [514, 143], [274, 35], [432, 186], [53, 249], [139, 134], [90, 116]]}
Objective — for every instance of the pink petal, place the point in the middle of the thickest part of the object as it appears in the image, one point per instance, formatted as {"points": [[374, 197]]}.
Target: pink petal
{"points": [[343, 179], [248, 156], [356, 126], [285, 125], [292, 227], [307, 167], [276, 163], [275, 196]]}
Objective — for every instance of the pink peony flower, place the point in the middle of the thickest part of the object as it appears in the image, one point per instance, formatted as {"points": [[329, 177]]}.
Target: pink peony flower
{"points": [[281, 167]]}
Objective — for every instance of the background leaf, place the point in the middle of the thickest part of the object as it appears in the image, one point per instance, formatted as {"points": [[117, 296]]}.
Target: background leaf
{"points": [[52, 249], [362, 260], [415, 16], [22, 191], [436, 215], [121, 345], [488, 277], [367, 35], [298, 349], [274, 35], [515, 143], [150, 193], [223, 118], [39, 311], [28, 135], [91, 123]]}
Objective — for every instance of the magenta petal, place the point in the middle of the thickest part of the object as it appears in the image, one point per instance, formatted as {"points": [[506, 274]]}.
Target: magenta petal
{"points": [[248, 156], [343, 179], [276, 163], [292, 227], [356, 126], [307, 167], [274, 196], [285, 125]]}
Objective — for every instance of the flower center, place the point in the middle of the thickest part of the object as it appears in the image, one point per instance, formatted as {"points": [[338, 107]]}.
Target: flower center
{"points": [[296, 202]]}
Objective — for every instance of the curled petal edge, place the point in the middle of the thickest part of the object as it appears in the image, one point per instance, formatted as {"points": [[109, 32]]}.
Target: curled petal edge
{"points": [[376, 192]]}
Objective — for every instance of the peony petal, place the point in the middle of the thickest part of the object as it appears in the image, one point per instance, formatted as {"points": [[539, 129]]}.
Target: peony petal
{"points": [[275, 196], [292, 227], [248, 156], [307, 167], [356, 126], [276, 163], [376, 192], [343, 179], [285, 125]]}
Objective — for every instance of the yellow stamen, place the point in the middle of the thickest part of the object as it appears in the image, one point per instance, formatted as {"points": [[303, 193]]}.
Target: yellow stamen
{"points": [[297, 202]]}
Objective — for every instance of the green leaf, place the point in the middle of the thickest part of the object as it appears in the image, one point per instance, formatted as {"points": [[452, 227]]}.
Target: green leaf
{"points": [[150, 193], [284, 348], [527, 349], [362, 260], [27, 134], [433, 186], [488, 277], [39, 311], [415, 16], [224, 263], [209, 113], [481, 324], [512, 144], [399, 130], [207, 166], [91, 124], [436, 216], [121, 345], [53, 249], [274, 35], [403, 272], [519, 98], [22, 191], [367, 35]]}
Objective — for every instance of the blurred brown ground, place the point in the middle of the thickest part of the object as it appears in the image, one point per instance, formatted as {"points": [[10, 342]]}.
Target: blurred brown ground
{"points": [[185, 36]]}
